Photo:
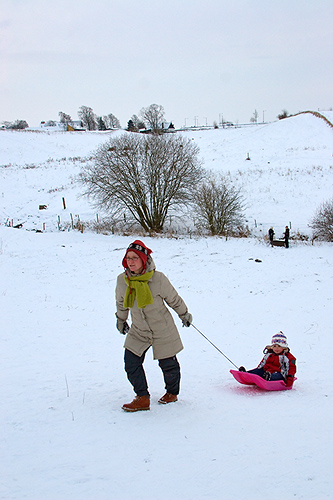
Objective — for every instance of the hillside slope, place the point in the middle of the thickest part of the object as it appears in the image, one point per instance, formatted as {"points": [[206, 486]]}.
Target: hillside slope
{"points": [[290, 171]]}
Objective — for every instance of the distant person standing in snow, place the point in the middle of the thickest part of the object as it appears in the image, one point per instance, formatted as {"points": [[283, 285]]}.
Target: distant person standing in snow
{"points": [[144, 292], [278, 363], [286, 237], [271, 234]]}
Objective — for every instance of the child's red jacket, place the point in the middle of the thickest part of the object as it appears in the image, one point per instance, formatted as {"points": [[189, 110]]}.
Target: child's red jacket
{"points": [[284, 363]]}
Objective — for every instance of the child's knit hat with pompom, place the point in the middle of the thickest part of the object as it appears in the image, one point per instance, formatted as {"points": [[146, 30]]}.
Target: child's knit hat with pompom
{"points": [[279, 339]]}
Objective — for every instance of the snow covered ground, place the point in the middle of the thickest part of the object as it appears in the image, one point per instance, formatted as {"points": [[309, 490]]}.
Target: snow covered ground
{"points": [[288, 176], [63, 433]]}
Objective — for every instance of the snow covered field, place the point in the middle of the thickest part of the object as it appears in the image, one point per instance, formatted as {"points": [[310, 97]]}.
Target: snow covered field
{"points": [[63, 434], [288, 176]]}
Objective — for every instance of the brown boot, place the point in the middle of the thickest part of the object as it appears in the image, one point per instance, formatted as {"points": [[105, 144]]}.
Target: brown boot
{"points": [[139, 403], [168, 398]]}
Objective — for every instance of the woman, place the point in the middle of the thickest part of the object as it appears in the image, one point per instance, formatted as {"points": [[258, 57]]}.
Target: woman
{"points": [[145, 291]]}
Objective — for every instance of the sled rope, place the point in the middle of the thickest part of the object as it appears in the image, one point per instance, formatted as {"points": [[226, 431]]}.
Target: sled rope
{"points": [[204, 336]]}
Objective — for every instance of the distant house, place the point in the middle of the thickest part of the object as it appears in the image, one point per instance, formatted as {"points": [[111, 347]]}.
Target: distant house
{"points": [[75, 126], [51, 125], [162, 127], [167, 126]]}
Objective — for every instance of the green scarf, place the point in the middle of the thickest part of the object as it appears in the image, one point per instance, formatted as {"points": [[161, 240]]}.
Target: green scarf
{"points": [[138, 285]]}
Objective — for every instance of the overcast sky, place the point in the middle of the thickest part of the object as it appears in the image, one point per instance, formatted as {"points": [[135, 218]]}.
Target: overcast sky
{"points": [[199, 59]]}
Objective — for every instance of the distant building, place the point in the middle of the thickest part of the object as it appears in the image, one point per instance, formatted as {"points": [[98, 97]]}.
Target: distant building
{"points": [[75, 125], [167, 126], [163, 127]]}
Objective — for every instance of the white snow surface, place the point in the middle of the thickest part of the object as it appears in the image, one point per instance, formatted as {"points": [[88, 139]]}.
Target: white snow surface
{"points": [[288, 176], [63, 433]]}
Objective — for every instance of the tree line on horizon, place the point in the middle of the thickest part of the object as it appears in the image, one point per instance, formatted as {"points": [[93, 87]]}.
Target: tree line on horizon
{"points": [[151, 117]]}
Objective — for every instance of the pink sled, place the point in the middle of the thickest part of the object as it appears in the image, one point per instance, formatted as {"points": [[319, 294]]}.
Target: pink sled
{"points": [[252, 379]]}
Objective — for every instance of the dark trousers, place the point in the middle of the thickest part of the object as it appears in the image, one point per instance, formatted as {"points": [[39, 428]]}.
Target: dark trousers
{"points": [[261, 371], [137, 377]]}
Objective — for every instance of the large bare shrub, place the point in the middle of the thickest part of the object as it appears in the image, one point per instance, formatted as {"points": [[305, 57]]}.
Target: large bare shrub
{"points": [[143, 177], [218, 205], [322, 222]]}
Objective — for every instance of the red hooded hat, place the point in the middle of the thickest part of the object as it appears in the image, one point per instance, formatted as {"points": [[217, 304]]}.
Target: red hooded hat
{"points": [[141, 251]]}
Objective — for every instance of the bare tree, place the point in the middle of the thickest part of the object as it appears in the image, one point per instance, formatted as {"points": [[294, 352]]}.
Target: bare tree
{"points": [[135, 124], [131, 127], [153, 116], [6, 124], [88, 117], [19, 125], [100, 123], [65, 118], [218, 206], [284, 114], [322, 222], [111, 121], [143, 176], [254, 118]]}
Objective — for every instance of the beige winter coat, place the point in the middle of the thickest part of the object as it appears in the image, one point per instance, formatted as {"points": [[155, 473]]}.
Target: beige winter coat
{"points": [[154, 325]]}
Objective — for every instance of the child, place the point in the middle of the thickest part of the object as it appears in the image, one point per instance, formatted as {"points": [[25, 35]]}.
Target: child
{"points": [[278, 363]]}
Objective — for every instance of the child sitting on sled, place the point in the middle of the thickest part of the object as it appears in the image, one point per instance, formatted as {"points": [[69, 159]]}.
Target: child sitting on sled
{"points": [[278, 363]]}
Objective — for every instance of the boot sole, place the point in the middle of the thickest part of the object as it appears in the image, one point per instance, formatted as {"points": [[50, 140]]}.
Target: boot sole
{"points": [[132, 410], [166, 402]]}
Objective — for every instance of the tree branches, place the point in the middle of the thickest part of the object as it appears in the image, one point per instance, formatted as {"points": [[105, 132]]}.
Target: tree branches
{"points": [[144, 176], [322, 222], [219, 207]]}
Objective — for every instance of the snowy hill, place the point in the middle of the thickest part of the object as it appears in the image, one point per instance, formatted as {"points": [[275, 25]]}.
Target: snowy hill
{"points": [[289, 172], [288, 176], [62, 428]]}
